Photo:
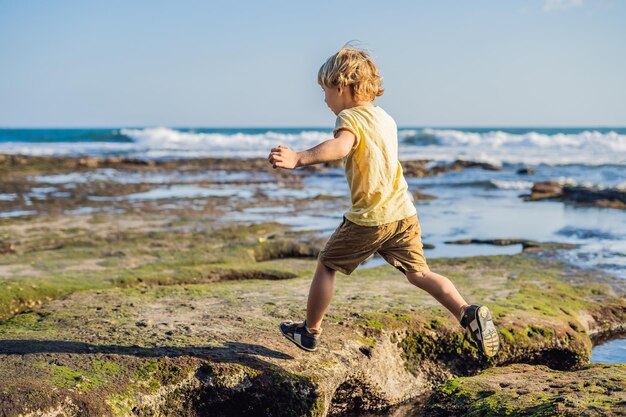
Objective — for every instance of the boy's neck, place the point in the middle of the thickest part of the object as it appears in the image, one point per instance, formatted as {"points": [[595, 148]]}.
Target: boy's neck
{"points": [[359, 104]]}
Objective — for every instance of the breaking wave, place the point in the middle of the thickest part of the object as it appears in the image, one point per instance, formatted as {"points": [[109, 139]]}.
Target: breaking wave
{"points": [[539, 146]]}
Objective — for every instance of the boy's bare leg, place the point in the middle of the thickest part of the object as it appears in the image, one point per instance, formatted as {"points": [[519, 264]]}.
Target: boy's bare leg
{"points": [[479, 321], [320, 294], [441, 288]]}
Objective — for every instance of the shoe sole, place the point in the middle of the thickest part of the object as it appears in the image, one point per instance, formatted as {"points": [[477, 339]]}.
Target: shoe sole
{"points": [[294, 342], [489, 334]]}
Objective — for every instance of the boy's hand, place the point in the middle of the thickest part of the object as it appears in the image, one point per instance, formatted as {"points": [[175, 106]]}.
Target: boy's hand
{"points": [[283, 157]]}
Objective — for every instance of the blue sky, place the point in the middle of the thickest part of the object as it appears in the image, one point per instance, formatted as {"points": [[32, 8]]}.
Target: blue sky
{"points": [[254, 63]]}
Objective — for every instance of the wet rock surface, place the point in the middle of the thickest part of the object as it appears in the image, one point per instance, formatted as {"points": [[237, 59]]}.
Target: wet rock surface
{"points": [[425, 168], [18, 165], [584, 195]]}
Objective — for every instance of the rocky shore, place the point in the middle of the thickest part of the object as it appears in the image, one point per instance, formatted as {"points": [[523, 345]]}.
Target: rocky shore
{"points": [[20, 165], [159, 310], [520, 389], [160, 321], [36, 184]]}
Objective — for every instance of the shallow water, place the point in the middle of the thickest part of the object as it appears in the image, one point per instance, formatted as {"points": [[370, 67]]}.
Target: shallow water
{"points": [[179, 191], [483, 213], [7, 196], [610, 352], [167, 177], [472, 203], [18, 213]]}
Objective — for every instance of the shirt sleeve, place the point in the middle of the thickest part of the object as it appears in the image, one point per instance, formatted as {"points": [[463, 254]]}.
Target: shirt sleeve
{"points": [[344, 121]]}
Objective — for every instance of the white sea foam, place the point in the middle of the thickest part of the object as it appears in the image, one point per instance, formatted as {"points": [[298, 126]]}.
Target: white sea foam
{"points": [[497, 147], [600, 186], [512, 185], [588, 147], [169, 139]]}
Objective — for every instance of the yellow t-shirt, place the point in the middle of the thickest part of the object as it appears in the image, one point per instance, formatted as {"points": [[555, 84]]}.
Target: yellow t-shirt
{"points": [[377, 186]]}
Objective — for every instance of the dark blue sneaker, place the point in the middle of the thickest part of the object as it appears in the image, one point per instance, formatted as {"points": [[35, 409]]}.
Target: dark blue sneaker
{"points": [[477, 319], [298, 334]]}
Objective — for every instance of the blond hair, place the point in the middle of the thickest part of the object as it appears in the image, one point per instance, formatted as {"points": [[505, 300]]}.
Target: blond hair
{"points": [[354, 68]]}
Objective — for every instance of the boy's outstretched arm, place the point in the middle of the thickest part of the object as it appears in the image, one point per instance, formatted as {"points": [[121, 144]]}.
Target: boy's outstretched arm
{"points": [[330, 150]]}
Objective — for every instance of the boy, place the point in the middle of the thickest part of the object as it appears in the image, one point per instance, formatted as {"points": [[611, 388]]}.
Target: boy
{"points": [[382, 218]]}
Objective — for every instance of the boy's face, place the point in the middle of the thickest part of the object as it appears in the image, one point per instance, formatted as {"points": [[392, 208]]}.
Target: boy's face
{"points": [[334, 98]]}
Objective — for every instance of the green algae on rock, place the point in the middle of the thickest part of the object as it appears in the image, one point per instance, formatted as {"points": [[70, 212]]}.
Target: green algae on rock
{"points": [[187, 348], [72, 260], [524, 390], [173, 315]]}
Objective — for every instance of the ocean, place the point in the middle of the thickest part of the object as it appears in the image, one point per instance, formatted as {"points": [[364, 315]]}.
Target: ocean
{"points": [[550, 146]]}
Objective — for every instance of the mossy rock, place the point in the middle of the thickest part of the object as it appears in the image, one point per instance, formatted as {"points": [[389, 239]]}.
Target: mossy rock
{"points": [[524, 390], [173, 321]]}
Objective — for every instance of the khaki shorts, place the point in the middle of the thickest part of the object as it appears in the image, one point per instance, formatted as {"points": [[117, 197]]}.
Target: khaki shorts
{"points": [[399, 243]]}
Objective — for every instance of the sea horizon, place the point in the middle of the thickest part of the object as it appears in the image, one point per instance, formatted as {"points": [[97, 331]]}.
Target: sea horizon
{"points": [[256, 127]]}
